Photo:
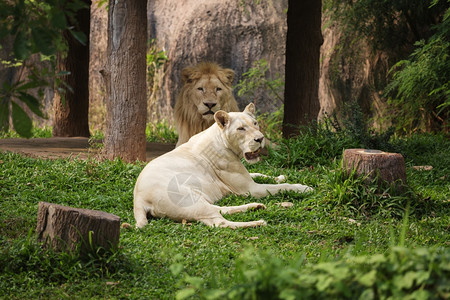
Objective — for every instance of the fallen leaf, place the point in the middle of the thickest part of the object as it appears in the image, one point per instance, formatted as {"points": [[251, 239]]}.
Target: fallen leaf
{"points": [[423, 168], [285, 204], [126, 225], [185, 223], [351, 221]]}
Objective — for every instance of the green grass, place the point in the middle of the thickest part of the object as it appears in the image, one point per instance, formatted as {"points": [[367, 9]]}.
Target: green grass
{"points": [[165, 257], [160, 132], [36, 132]]}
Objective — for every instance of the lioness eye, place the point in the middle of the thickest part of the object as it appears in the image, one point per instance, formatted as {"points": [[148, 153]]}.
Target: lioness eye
{"points": [[218, 89], [200, 89], [241, 128], [256, 123]]}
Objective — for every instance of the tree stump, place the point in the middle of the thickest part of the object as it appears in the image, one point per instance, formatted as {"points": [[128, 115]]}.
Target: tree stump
{"points": [[390, 167], [65, 228]]}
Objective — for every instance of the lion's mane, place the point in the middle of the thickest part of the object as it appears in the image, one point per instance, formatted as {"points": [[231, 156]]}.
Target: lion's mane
{"points": [[187, 117]]}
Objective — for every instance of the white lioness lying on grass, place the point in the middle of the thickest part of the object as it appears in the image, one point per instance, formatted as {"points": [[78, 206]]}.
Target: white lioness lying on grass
{"points": [[185, 183]]}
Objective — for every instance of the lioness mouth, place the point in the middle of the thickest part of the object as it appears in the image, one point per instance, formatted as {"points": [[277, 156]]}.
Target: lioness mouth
{"points": [[252, 155]]}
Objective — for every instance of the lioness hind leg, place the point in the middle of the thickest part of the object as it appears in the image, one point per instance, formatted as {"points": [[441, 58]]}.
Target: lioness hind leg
{"points": [[222, 222], [141, 216]]}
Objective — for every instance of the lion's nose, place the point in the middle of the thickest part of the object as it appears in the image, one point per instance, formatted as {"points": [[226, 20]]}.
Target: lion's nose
{"points": [[259, 140], [209, 104]]}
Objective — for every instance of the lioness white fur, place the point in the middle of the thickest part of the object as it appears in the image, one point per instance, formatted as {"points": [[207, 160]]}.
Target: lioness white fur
{"points": [[185, 183]]}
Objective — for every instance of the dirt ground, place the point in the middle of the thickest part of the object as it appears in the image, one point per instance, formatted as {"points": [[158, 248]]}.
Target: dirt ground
{"points": [[76, 147]]}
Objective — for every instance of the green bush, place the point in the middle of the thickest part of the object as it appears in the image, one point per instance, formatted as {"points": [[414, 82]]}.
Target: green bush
{"points": [[314, 146], [36, 28], [420, 88], [161, 132], [356, 126], [255, 83], [400, 273], [355, 196], [27, 256]]}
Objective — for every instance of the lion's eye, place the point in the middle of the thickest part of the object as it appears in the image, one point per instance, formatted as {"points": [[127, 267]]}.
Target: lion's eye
{"points": [[200, 89], [241, 129], [218, 89], [256, 123]]}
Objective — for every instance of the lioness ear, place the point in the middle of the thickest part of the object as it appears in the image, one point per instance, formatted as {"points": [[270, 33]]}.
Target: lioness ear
{"points": [[229, 75], [222, 118], [250, 109]]}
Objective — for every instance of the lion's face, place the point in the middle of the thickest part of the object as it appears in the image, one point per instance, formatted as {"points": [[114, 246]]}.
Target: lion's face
{"points": [[207, 88], [242, 132], [209, 96]]}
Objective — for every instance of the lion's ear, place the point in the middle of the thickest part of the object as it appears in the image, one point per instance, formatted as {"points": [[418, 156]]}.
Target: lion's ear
{"points": [[229, 75], [222, 118], [187, 74], [250, 109]]}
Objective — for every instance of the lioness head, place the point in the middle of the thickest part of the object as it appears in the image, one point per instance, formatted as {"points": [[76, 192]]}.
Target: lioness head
{"points": [[241, 130], [206, 89]]}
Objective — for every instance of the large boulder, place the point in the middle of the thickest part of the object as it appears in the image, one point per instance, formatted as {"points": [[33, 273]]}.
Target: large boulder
{"points": [[348, 74], [231, 33]]}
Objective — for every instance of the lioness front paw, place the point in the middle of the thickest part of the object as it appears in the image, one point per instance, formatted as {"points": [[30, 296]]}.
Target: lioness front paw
{"points": [[303, 188], [280, 179], [256, 206], [261, 223]]}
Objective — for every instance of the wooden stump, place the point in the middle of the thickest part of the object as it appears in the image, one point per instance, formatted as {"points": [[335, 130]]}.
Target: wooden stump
{"points": [[390, 167], [66, 228]]}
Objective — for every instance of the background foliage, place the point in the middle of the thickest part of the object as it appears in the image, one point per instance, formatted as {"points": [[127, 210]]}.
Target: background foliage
{"points": [[420, 88], [415, 37], [36, 28]]}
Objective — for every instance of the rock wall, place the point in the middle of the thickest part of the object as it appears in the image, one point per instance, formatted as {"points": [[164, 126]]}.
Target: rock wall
{"points": [[229, 32], [351, 73]]}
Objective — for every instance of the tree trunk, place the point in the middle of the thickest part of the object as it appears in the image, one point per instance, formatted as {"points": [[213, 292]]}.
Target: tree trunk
{"points": [[303, 41], [71, 113], [65, 228], [125, 78], [389, 167]]}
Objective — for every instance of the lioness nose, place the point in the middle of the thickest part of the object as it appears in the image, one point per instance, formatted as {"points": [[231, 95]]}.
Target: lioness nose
{"points": [[209, 104], [259, 140]]}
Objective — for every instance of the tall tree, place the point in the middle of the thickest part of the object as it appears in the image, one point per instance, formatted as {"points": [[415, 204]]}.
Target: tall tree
{"points": [[125, 77], [303, 41], [71, 101]]}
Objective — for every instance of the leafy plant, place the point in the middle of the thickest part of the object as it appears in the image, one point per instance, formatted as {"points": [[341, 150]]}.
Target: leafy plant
{"points": [[36, 28], [36, 132], [255, 83], [355, 125], [387, 25], [161, 132], [271, 124], [314, 146], [25, 256], [420, 88], [356, 196], [157, 60], [401, 273]]}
